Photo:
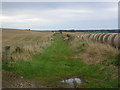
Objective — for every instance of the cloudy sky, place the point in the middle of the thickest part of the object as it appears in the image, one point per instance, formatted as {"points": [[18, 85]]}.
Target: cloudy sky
{"points": [[60, 15]]}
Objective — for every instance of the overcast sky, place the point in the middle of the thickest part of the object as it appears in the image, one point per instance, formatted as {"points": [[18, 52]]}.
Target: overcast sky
{"points": [[60, 15]]}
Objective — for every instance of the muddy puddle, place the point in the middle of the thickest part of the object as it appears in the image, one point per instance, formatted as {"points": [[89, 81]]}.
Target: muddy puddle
{"points": [[72, 82]]}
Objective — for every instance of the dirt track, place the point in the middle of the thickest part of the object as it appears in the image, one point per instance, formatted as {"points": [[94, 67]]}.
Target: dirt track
{"points": [[10, 80]]}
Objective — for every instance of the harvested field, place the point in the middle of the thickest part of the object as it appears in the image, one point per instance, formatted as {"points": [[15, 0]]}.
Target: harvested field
{"points": [[48, 60], [23, 43]]}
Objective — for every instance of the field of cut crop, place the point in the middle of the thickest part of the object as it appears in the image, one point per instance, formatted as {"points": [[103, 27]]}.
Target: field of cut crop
{"points": [[55, 60]]}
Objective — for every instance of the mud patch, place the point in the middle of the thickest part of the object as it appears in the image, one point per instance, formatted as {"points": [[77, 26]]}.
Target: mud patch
{"points": [[10, 80]]}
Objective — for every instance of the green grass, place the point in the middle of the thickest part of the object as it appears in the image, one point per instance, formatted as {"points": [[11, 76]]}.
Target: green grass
{"points": [[56, 64]]}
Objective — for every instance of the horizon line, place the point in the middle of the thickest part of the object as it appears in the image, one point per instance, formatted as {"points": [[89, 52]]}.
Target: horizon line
{"points": [[60, 29]]}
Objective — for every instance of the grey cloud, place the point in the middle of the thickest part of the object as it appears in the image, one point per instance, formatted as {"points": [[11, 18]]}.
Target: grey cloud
{"points": [[60, 15]]}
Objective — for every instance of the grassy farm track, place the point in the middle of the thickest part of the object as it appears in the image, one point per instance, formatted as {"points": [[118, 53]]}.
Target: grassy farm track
{"points": [[57, 62]]}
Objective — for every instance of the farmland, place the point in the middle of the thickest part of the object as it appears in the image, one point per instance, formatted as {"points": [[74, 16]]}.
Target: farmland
{"points": [[46, 58]]}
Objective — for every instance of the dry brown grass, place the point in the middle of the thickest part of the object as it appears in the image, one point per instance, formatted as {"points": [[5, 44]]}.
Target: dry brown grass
{"points": [[25, 51], [28, 42], [93, 52], [31, 42], [14, 37], [97, 52]]}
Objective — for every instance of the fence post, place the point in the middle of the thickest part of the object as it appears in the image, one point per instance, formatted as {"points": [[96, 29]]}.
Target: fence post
{"points": [[7, 53]]}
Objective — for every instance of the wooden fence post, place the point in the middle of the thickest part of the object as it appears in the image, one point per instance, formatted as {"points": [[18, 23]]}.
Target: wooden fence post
{"points": [[7, 53]]}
